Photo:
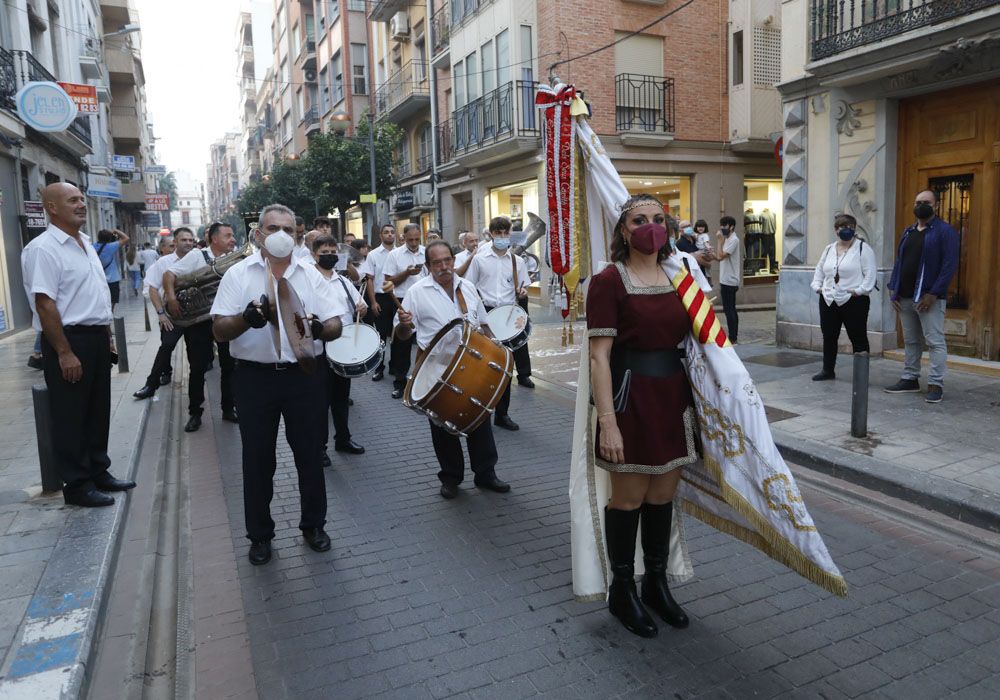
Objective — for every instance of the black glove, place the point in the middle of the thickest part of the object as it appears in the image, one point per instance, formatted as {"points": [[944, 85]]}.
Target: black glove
{"points": [[315, 327], [254, 315]]}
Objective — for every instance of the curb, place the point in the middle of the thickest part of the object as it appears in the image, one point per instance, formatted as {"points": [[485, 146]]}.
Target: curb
{"points": [[963, 503]]}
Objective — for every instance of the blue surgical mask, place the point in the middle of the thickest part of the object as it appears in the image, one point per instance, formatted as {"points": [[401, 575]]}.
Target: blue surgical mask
{"points": [[688, 230], [501, 242], [846, 233]]}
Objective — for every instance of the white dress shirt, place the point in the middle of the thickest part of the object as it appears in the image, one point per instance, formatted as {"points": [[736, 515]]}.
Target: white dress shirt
{"points": [[338, 291], [302, 252], [432, 309], [55, 265], [374, 266], [154, 274], [397, 261], [246, 281], [193, 261], [461, 258], [148, 257], [857, 269], [493, 275]]}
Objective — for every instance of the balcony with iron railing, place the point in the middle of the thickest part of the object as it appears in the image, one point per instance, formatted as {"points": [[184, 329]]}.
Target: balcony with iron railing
{"points": [[404, 93], [25, 69], [307, 55], [8, 80], [839, 25], [383, 10], [504, 116], [644, 106], [310, 120], [441, 30], [425, 161]]}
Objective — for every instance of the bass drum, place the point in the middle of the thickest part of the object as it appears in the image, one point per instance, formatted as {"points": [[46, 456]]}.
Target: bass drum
{"points": [[357, 352], [459, 379], [510, 324]]}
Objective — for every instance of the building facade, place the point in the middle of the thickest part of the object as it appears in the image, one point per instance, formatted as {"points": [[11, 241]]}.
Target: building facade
{"points": [[190, 205], [251, 136], [223, 177], [880, 103]]}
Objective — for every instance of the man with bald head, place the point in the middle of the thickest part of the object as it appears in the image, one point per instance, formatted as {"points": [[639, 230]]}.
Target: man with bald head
{"points": [[71, 306], [926, 260]]}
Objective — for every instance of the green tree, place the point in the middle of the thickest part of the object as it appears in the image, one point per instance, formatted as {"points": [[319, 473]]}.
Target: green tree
{"points": [[167, 184]]}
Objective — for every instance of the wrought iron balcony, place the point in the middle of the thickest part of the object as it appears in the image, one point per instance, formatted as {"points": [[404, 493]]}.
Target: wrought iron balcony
{"points": [[382, 10], [27, 69], [424, 163], [839, 25], [644, 103], [441, 26], [405, 92], [500, 115], [445, 143], [311, 120], [307, 55], [8, 80]]}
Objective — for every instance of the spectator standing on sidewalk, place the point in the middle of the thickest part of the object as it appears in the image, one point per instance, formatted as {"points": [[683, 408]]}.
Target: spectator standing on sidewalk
{"points": [[729, 252], [71, 305], [147, 256], [108, 245], [926, 260], [134, 266], [845, 276]]}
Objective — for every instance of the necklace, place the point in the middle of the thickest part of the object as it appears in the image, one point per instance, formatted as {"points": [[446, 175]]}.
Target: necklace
{"points": [[635, 272]]}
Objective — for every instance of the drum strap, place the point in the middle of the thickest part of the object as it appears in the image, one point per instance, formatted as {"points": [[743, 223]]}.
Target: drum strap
{"points": [[462, 306], [350, 300], [513, 265]]}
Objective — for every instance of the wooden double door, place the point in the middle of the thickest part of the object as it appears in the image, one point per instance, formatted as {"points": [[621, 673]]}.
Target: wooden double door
{"points": [[949, 142]]}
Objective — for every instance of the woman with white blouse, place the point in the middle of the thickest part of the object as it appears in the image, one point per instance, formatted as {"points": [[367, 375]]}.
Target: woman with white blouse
{"points": [[845, 276]]}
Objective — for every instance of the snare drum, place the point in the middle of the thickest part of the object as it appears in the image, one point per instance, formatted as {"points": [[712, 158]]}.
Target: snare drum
{"points": [[357, 352], [510, 325], [459, 379]]}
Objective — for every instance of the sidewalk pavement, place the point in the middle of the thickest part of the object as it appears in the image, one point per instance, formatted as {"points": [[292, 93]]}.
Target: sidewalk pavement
{"points": [[54, 559], [942, 456]]}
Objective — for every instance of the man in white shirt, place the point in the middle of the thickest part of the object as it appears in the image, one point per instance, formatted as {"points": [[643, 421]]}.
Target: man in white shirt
{"points": [[302, 251], [402, 268], [147, 256], [380, 303], [469, 240], [501, 278], [433, 302], [71, 306], [272, 381], [729, 252]]}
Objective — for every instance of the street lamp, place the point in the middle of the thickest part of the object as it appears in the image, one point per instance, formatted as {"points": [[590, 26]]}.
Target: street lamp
{"points": [[340, 122], [127, 29]]}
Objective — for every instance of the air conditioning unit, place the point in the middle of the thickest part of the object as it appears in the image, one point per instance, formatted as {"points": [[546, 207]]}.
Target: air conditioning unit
{"points": [[424, 194], [399, 26], [309, 75]]}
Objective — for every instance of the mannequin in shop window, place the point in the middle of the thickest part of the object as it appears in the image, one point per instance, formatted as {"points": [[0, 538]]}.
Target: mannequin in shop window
{"points": [[753, 242], [768, 228]]}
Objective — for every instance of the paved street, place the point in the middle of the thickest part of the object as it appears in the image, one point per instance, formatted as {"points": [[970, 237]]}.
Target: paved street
{"points": [[422, 597]]}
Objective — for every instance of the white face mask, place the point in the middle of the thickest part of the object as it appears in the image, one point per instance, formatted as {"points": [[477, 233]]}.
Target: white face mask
{"points": [[279, 244]]}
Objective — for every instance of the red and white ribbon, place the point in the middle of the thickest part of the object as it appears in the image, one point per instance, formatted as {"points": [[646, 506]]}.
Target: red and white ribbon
{"points": [[560, 150]]}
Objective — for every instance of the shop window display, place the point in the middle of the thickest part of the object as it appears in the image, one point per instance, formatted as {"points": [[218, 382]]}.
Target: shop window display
{"points": [[761, 228]]}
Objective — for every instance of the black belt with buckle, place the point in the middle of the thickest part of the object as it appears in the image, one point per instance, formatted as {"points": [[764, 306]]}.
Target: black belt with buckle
{"points": [[274, 366], [647, 363]]}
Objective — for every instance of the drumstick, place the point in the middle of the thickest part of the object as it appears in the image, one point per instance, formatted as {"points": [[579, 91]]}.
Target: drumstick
{"points": [[357, 319], [387, 288]]}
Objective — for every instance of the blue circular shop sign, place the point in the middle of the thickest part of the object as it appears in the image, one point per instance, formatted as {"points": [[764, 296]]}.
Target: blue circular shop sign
{"points": [[45, 106]]}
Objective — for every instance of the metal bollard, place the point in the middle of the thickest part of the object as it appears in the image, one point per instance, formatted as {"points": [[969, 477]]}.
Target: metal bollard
{"points": [[51, 481], [859, 396], [121, 345]]}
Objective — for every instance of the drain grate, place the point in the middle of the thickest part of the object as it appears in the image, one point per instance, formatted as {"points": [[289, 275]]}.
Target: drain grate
{"points": [[783, 359], [776, 414]]}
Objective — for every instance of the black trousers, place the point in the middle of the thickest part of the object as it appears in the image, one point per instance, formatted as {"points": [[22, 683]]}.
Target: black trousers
{"points": [[81, 412], [728, 293], [853, 315], [522, 360], [520, 357], [383, 321], [448, 448], [769, 251], [263, 397], [198, 343], [401, 354], [338, 391], [226, 367]]}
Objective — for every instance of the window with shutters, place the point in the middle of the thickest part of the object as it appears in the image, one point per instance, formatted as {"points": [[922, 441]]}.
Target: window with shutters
{"points": [[766, 56]]}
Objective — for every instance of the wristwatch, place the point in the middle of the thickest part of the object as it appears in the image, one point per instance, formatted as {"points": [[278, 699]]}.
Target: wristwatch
{"points": [[161, 312]]}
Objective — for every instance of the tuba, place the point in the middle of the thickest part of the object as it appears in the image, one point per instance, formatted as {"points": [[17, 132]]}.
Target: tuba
{"points": [[196, 291]]}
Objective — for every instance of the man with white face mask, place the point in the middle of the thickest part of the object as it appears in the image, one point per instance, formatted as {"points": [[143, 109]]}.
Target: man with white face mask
{"points": [[271, 382]]}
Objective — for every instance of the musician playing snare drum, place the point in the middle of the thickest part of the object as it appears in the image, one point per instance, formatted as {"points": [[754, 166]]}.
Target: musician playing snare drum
{"points": [[430, 304], [502, 279]]}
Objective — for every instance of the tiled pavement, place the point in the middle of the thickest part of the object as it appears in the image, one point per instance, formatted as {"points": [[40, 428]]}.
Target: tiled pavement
{"points": [[422, 597]]}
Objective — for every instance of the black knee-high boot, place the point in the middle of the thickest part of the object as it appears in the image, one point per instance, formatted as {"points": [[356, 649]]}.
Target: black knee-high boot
{"points": [[620, 528], [656, 521]]}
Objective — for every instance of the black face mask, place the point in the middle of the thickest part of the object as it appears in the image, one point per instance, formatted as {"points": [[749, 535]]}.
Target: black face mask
{"points": [[923, 210], [328, 260]]}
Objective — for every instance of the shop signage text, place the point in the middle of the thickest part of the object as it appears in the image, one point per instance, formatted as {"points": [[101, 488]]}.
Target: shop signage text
{"points": [[156, 170], [123, 164], [158, 202], [34, 212], [84, 96], [106, 187], [44, 106], [404, 199]]}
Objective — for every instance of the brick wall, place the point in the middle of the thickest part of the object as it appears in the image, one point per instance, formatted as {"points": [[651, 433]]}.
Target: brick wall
{"points": [[694, 56]]}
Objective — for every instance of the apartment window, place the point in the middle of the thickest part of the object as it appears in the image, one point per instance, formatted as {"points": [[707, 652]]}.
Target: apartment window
{"points": [[324, 95], [185, 217], [472, 76], [310, 28], [280, 25], [337, 78], [295, 42], [356, 5], [300, 101], [286, 72], [503, 57], [458, 78], [334, 10], [419, 54], [738, 58], [424, 148], [527, 54], [489, 65], [359, 68]]}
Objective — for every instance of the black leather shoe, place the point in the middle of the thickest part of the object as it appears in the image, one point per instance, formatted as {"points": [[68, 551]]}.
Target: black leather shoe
{"points": [[824, 376], [449, 491], [106, 482], [326, 461], [230, 416], [145, 392], [493, 484], [194, 422], [317, 539], [377, 377], [656, 521], [525, 382], [397, 393], [260, 553], [506, 423], [166, 378], [88, 499], [350, 447], [35, 361], [623, 601]]}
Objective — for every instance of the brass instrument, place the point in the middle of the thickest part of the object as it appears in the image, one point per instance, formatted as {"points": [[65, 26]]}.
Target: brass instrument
{"points": [[196, 291]]}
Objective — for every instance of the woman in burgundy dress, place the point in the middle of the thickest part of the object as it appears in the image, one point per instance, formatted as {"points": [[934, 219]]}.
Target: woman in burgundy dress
{"points": [[645, 417]]}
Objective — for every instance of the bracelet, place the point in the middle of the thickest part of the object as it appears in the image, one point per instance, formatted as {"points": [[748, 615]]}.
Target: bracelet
{"points": [[608, 413], [161, 312]]}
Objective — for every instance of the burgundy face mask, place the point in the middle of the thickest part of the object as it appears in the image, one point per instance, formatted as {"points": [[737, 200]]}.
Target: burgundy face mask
{"points": [[649, 238]]}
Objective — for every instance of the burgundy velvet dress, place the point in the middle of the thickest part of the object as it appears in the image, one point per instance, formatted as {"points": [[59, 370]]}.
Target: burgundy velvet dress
{"points": [[657, 423]]}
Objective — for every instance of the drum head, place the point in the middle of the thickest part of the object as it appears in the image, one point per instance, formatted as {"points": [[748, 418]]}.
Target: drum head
{"points": [[507, 321], [356, 344], [435, 363]]}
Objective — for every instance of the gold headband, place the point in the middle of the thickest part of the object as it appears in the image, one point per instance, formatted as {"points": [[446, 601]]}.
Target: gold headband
{"points": [[641, 203]]}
